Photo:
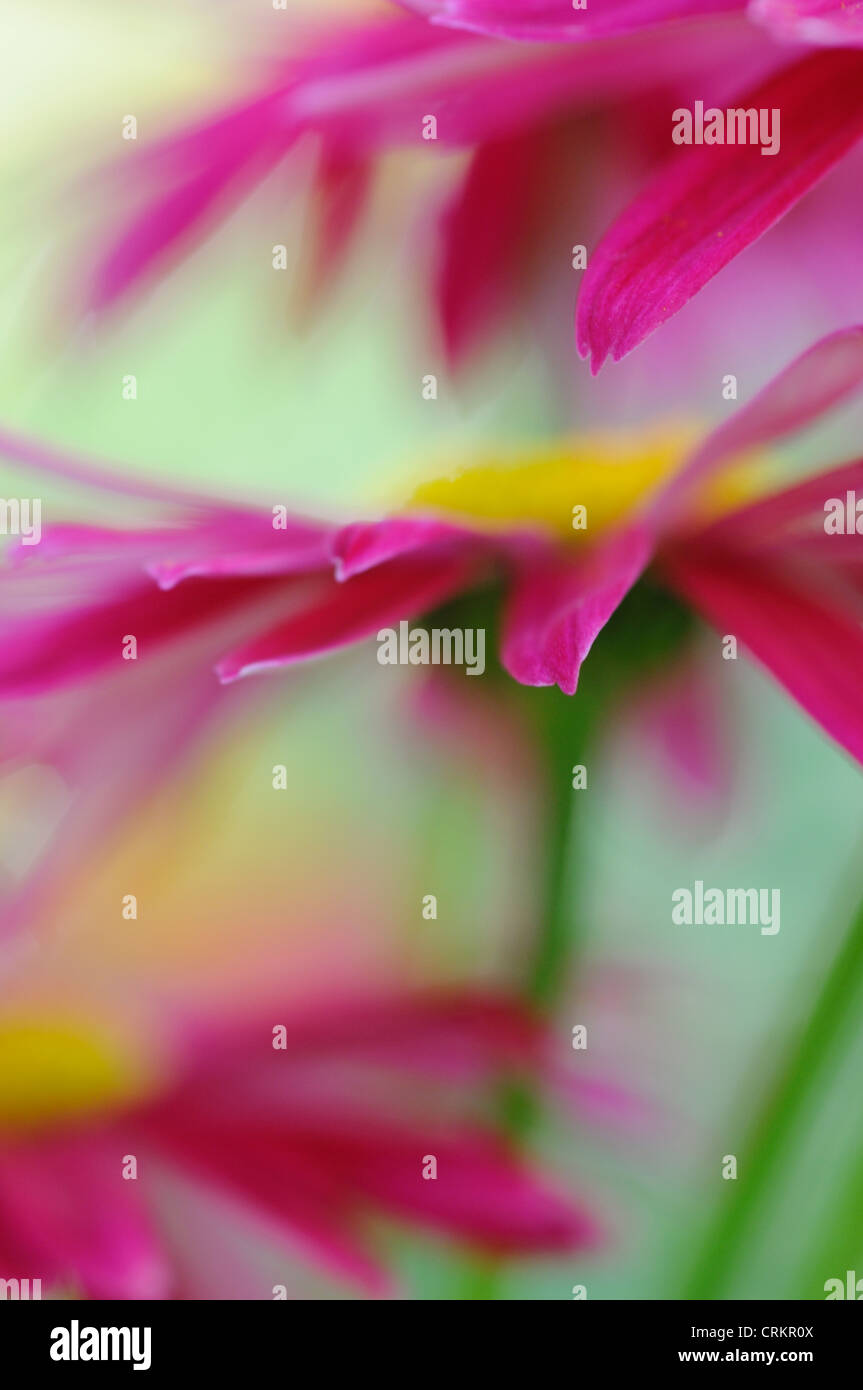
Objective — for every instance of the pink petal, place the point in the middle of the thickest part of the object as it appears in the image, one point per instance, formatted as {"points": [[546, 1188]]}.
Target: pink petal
{"points": [[712, 202], [830, 22], [819, 379], [812, 645], [794, 518], [44, 651], [486, 236], [316, 1159], [318, 1175], [67, 1206], [349, 612], [444, 1033], [251, 548], [481, 1194], [172, 703], [371, 88], [44, 458], [367, 88], [210, 537], [276, 1174], [342, 187], [685, 719], [557, 609], [234, 544], [544, 19], [364, 544], [240, 150]]}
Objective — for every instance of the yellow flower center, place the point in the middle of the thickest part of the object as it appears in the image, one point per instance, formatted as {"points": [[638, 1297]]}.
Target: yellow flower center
{"points": [[58, 1070], [607, 475]]}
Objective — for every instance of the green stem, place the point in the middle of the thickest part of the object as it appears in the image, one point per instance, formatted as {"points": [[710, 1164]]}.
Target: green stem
{"points": [[561, 731], [772, 1134], [556, 938], [563, 735], [840, 1241], [561, 740]]}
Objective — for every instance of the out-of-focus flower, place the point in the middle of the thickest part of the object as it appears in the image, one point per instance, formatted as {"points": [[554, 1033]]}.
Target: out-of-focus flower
{"points": [[310, 1124], [361, 90], [763, 570], [172, 705], [529, 115]]}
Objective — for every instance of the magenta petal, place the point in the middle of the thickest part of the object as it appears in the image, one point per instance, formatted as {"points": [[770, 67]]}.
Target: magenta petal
{"points": [[795, 518], [349, 612], [44, 651], [544, 19], [365, 544], [816, 381], [713, 201], [172, 704], [274, 1171], [366, 88], [557, 608], [237, 151], [234, 543], [247, 545], [44, 458], [317, 1173], [343, 184], [485, 235], [68, 1206], [481, 1195], [828, 22], [812, 646], [683, 717], [451, 1034]]}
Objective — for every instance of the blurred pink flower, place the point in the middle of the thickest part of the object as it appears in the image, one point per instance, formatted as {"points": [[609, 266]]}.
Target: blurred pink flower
{"points": [[211, 586], [766, 572], [529, 116], [311, 1138]]}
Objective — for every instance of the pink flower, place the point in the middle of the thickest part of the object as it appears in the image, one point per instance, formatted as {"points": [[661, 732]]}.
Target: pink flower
{"points": [[529, 116], [224, 587], [529, 113], [303, 1125]]}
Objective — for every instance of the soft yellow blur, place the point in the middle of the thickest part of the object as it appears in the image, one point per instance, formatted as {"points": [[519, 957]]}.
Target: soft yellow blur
{"points": [[608, 474], [54, 1068]]}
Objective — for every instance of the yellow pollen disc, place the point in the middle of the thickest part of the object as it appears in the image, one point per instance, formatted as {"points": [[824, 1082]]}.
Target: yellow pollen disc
{"points": [[608, 475], [56, 1071]]}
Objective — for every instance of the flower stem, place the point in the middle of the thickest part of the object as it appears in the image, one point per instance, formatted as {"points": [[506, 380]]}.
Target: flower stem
{"points": [[839, 1241], [564, 735], [561, 735], [556, 938], [772, 1134]]}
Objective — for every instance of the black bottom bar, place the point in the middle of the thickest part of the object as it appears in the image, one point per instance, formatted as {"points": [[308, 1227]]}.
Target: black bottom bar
{"points": [[223, 1339]]}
